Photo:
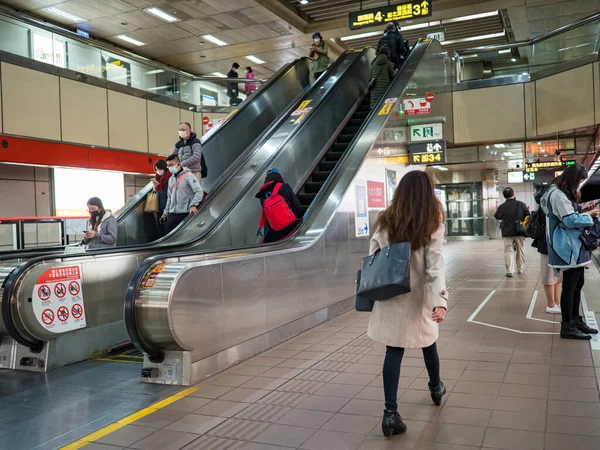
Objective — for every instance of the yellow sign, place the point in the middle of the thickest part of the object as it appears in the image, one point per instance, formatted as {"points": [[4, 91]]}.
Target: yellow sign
{"points": [[386, 14], [427, 158], [396, 160], [231, 114], [304, 104], [387, 106], [547, 165]]}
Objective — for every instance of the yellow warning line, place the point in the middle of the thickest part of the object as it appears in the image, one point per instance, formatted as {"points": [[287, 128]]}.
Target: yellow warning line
{"points": [[128, 420], [117, 360]]}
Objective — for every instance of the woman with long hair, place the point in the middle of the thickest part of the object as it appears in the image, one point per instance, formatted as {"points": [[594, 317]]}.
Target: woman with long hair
{"points": [[102, 230], [411, 320], [564, 227]]}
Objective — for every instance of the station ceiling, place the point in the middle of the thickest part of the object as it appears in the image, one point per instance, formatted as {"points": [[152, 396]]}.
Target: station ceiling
{"points": [[278, 31]]}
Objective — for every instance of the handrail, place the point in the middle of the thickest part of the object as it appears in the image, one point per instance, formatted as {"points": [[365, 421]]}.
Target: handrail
{"points": [[536, 40]]}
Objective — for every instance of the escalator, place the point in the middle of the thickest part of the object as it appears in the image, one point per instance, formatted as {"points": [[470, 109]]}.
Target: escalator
{"points": [[255, 296], [106, 273]]}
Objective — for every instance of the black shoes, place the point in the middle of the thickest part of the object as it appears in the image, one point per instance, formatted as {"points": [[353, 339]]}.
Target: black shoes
{"points": [[392, 423], [568, 330], [437, 392], [582, 326]]}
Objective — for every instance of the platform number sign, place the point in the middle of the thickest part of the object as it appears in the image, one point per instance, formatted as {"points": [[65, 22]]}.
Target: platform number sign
{"points": [[392, 13], [58, 301], [427, 153]]}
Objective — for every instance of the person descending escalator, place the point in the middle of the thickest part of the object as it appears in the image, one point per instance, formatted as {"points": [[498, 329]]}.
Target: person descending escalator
{"points": [[250, 87], [318, 54], [382, 72], [281, 209], [102, 230], [233, 90], [189, 151], [161, 187]]}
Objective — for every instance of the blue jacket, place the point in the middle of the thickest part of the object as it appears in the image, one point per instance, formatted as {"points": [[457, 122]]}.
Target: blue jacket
{"points": [[564, 226]]}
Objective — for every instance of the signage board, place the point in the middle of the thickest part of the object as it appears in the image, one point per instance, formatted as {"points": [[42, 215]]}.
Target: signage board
{"points": [[387, 106], [427, 132], [83, 33], [439, 35], [529, 177], [515, 177], [433, 152], [376, 193], [415, 106], [361, 212], [393, 13], [548, 165]]}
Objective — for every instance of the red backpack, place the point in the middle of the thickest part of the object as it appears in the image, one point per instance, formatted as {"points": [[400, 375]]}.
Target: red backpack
{"points": [[276, 211]]}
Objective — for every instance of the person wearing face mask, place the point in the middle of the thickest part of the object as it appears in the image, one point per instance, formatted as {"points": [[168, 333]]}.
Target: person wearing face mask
{"points": [[160, 186], [184, 194], [250, 87], [233, 90], [189, 151], [318, 54], [102, 229]]}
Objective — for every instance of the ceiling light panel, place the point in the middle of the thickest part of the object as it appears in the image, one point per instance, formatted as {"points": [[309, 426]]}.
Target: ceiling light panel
{"points": [[254, 59], [130, 40], [214, 40], [471, 17], [481, 37], [64, 15], [161, 14], [219, 74]]}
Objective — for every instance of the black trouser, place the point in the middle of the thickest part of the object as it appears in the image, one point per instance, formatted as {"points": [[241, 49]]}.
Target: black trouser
{"points": [[391, 372], [318, 74], [570, 298], [173, 220]]}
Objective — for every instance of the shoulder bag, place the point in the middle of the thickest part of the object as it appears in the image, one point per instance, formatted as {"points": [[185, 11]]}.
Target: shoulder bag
{"points": [[386, 273]]}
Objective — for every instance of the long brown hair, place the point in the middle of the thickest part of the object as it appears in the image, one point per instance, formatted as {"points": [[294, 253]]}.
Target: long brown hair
{"points": [[95, 220], [415, 213]]}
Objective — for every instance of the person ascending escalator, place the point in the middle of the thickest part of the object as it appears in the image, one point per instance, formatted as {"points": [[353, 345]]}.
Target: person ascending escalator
{"points": [[392, 39], [382, 72]]}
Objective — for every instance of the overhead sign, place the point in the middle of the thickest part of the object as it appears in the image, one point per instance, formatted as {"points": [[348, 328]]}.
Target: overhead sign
{"points": [[393, 13], [57, 300], [548, 165], [387, 106], [83, 33], [416, 106], [427, 132], [515, 177], [439, 35], [427, 153], [529, 177]]}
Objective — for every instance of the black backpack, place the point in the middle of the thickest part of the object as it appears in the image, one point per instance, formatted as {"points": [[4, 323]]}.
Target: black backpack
{"points": [[536, 228], [204, 169]]}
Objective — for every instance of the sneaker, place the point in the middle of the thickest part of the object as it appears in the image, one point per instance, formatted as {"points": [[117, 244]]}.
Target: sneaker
{"points": [[554, 310], [509, 275]]}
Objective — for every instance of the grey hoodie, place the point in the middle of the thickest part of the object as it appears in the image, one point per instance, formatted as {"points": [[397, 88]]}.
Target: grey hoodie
{"points": [[106, 233], [184, 191]]}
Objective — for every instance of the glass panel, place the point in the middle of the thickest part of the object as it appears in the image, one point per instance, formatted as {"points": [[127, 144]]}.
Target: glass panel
{"points": [[14, 38], [464, 209], [461, 155], [543, 149], [502, 152], [60, 51], [84, 59], [43, 47]]}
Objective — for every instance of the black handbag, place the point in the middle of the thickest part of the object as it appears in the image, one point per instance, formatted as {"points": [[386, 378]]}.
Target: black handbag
{"points": [[386, 273], [520, 229], [363, 304]]}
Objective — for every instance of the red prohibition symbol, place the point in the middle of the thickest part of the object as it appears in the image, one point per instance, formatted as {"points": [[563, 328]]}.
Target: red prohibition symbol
{"points": [[44, 292], [60, 290], [74, 288], [62, 313], [77, 311], [47, 316]]}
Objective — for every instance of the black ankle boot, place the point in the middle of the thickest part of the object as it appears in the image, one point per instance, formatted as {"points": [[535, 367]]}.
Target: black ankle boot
{"points": [[437, 392], [582, 326], [392, 423], [568, 330]]}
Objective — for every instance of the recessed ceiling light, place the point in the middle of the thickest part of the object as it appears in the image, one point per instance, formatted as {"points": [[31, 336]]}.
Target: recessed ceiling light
{"points": [[254, 59], [361, 35], [471, 17], [153, 72], [130, 40], [219, 74], [64, 14], [161, 14], [442, 168], [539, 142], [304, 2], [500, 145], [525, 73], [214, 40]]}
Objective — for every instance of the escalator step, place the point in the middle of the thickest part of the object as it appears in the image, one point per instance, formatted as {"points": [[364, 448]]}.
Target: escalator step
{"points": [[362, 115], [327, 166], [344, 138], [313, 188], [350, 130], [306, 199], [318, 176], [355, 122], [339, 148], [304, 209], [334, 156]]}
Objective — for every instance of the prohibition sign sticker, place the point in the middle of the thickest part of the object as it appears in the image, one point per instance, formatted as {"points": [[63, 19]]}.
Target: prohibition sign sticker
{"points": [[77, 311], [60, 290], [74, 288], [62, 313], [44, 292], [48, 316]]}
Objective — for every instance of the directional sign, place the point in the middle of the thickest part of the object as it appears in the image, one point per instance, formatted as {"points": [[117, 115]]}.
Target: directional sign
{"points": [[529, 177], [548, 165], [385, 14], [427, 153], [427, 132]]}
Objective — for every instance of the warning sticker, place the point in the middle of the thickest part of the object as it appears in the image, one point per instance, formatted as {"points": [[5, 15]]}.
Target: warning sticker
{"points": [[387, 106], [151, 279], [58, 300]]}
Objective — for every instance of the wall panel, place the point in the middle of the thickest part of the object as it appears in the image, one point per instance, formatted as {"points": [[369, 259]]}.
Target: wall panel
{"points": [[163, 121], [565, 101], [83, 113], [187, 116], [127, 122], [530, 112], [489, 114], [30, 103]]}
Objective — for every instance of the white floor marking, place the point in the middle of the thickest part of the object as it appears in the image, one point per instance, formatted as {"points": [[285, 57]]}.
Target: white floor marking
{"points": [[480, 307], [590, 319], [532, 306]]}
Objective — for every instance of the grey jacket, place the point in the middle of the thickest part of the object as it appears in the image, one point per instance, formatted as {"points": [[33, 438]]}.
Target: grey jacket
{"points": [[106, 233], [190, 153], [184, 191]]}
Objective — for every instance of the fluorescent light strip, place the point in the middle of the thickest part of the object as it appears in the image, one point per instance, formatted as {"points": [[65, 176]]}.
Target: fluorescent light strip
{"points": [[161, 14], [361, 36], [130, 40], [471, 17], [153, 72], [219, 74], [254, 59], [502, 52], [214, 40], [64, 14], [474, 38]]}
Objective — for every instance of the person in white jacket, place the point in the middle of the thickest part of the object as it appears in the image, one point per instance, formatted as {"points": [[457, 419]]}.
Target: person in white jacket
{"points": [[411, 320]]}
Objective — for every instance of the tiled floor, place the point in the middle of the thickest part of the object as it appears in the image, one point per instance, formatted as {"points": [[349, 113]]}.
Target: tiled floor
{"points": [[510, 386]]}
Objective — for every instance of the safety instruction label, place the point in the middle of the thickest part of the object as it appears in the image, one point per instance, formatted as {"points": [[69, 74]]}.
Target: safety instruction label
{"points": [[387, 106], [151, 278], [58, 301]]}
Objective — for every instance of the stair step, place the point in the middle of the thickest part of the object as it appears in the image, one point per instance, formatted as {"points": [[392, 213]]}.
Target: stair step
{"points": [[350, 130], [355, 122], [344, 138], [334, 156], [312, 187], [318, 176], [306, 198], [327, 166], [362, 115], [337, 148]]}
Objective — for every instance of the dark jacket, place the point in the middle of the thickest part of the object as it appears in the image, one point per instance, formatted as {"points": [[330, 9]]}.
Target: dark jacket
{"points": [[233, 90], [288, 194], [190, 153], [395, 43], [510, 212], [162, 190], [319, 55], [541, 244], [383, 72]]}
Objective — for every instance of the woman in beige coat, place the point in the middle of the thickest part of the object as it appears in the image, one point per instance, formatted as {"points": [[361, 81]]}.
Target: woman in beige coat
{"points": [[411, 320]]}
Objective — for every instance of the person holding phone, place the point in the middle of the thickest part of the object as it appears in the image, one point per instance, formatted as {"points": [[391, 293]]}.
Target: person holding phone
{"points": [[103, 228]]}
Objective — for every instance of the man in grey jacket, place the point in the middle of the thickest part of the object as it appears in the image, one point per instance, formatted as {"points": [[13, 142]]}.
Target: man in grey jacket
{"points": [[189, 150], [184, 194]]}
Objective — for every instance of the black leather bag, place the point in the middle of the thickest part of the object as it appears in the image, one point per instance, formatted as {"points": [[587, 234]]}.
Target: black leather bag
{"points": [[363, 304], [386, 273]]}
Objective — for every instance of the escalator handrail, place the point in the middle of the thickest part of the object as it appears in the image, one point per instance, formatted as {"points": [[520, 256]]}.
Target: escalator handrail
{"points": [[135, 283], [11, 280]]}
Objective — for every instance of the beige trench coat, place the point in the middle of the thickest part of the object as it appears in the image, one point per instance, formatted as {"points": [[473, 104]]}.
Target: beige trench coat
{"points": [[405, 321]]}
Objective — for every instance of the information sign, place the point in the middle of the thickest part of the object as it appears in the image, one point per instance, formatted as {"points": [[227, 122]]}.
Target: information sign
{"points": [[393, 13], [548, 165], [427, 132], [415, 106], [427, 153]]}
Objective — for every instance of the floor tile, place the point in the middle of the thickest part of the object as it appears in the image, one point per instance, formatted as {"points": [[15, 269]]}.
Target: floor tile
{"points": [[323, 403], [519, 421], [195, 423], [363, 407], [211, 392], [244, 395], [464, 416], [221, 408], [126, 436], [583, 426], [513, 439], [333, 440], [268, 384], [284, 435], [348, 423], [212, 442], [453, 434], [165, 440], [187, 404], [339, 390], [160, 418], [243, 430], [305, 419], [556, 441]]}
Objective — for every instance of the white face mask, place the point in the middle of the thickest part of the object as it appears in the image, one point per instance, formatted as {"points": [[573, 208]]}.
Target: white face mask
{"points": [[317, 40], [182, 134], [173, 169], [160, 172], [247, 71]]}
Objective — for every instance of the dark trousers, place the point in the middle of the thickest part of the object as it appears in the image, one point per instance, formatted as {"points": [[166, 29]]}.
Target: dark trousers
{"points": [[570, 298], [173, 220], [318, 74], [391, 372]]}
